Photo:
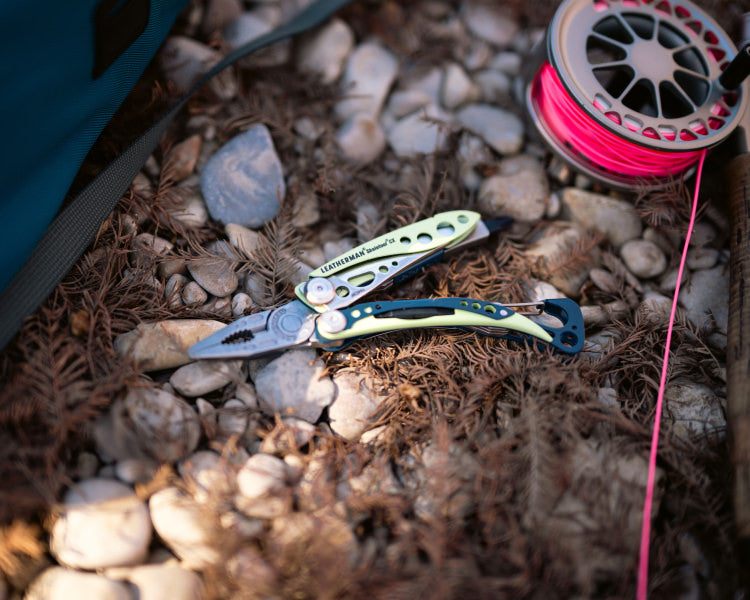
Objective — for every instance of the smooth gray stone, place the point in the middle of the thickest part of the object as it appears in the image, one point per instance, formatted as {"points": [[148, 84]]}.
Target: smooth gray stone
{"points": [[243, 182]]}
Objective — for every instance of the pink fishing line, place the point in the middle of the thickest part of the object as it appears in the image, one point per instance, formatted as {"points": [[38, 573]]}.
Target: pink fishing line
{"points": [[572, 126], [568, 122], [646, 526]]}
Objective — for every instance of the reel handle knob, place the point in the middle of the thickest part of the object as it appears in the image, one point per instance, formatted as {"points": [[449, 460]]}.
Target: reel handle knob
{"points": [[737, 70]]}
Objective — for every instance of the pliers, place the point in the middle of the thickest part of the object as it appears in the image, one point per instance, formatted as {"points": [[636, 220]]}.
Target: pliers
{"points": [[326, 314]]}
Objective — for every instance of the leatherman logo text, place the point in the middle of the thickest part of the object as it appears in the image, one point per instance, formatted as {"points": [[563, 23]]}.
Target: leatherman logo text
{"points": [[354, 256]]}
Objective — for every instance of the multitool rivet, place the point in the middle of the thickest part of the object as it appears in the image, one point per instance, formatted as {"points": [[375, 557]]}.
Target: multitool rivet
{"points": [[319, 291], [333, 321]]}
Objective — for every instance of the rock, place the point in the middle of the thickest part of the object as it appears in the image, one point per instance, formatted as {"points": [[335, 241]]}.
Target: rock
{"points": [[507, 62], [157, 582], [205, 376], [360, 139], [553, 248], [288, 436], [184, 61], [243, 239], [406, 102], [522, 195], [655, 307], [501, 129], [616, 219], [605, 313], [181, 159], [164, 344], [607, 397], [308, 129], [262, 475], [294, 384], [251, 25], [491, 22], [705, 297], [644, 259], [136, 470], [368, 75], [354, 403], [184, 527], [472, 153], [173, 289], [209, 475], [477, 55], [703, 234], [147, 248], [695, 413], [168, 428], [324, 52], [245, 392], [171, 266], [241, 304], [191, 211], [668, 281], [702, 258], [193, 294], [323, 530], [587, 505], [336, 248], [418, 133], [428, 83], [243, 182], [259, 482], [494, 86], [444, 483], [102, 524], [232, 419], [457, 87], [58, 583], [216, 275], [306, 209]]}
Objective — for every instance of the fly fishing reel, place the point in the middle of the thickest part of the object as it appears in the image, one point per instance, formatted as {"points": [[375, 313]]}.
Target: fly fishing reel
{"points": [[629, 92]]}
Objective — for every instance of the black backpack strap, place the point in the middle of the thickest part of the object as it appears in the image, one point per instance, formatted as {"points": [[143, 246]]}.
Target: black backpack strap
{"points": [[75, 226]]}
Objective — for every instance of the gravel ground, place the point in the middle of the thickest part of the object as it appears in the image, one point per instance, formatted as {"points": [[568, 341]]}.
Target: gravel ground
{"points": [[435, 464]]}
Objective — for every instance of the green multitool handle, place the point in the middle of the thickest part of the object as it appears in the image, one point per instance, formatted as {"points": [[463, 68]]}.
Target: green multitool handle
{"points": [[386, 259], [486, 317], [439, 231]]}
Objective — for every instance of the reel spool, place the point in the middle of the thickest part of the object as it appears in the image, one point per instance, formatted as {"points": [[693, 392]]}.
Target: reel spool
{"points": [[633, 79]]}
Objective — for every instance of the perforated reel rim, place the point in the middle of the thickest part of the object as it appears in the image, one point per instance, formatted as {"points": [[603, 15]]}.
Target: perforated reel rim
{"points": [[713, 112]]}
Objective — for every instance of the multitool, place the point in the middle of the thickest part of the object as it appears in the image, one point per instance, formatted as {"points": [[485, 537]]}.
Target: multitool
{"points": [[327, 313]]}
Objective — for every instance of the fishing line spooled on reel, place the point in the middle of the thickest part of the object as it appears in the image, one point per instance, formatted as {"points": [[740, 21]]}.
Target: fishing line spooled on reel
{"points": [[629, 92]]}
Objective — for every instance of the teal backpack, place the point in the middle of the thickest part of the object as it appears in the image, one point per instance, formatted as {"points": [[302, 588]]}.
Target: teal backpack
{"points": [[66, 67]]}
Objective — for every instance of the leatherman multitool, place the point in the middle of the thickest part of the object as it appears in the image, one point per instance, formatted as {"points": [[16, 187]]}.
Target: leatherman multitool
{"points": [[325, 315]]}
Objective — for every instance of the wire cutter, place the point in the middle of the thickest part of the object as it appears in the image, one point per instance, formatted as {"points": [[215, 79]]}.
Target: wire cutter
{"points": [[327, 315]]}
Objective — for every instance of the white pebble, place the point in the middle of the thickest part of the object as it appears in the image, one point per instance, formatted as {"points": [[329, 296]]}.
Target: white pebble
{"points": [[58, 583], [158, 582], [324, 52], [360, 139], [241, 304], [164, 344], [368, 75], [182, 525], [205, 376], [166, 425], [102, 524], [294, 385], [702, 258], [419, 133], [457, 87], [644, 259], [501, 129]]}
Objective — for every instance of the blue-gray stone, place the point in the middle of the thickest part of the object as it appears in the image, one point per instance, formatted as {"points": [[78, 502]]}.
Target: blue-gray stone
{"points": [[243, 182]]}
